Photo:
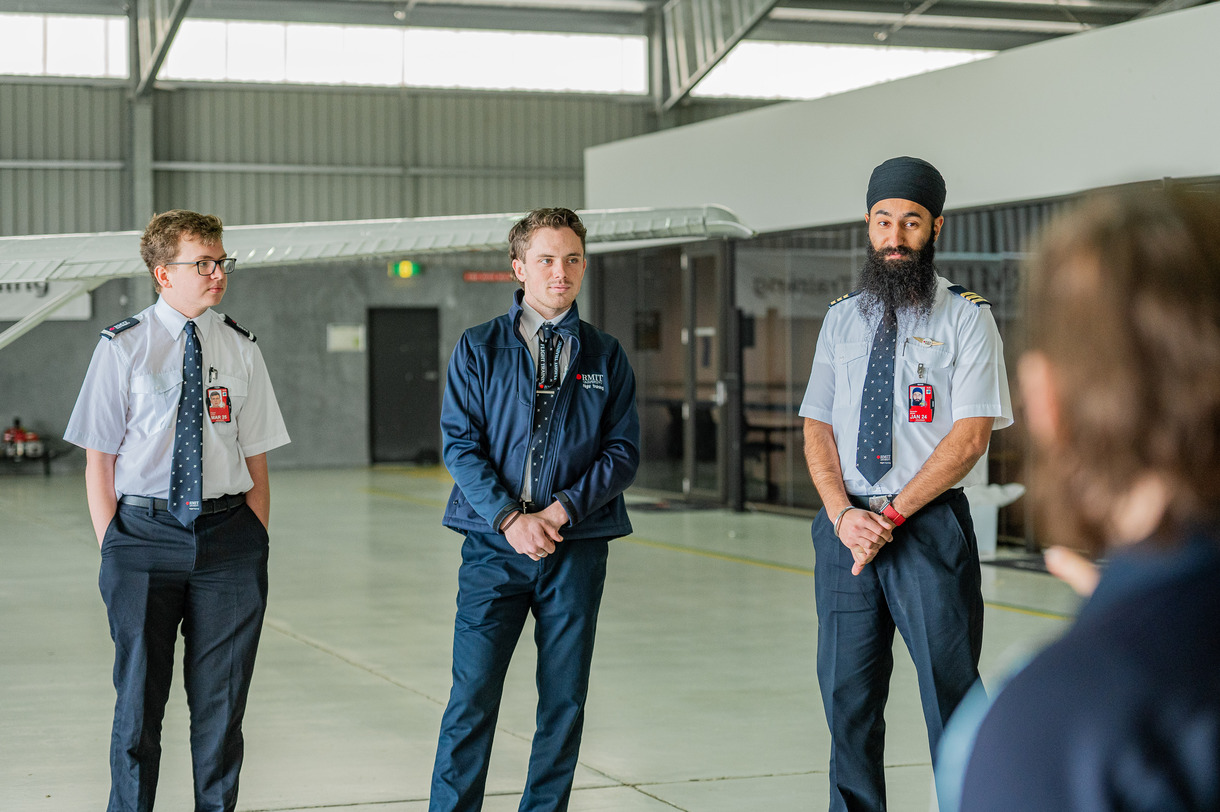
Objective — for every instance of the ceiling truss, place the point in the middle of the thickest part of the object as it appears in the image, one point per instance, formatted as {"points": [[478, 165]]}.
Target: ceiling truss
{"points": [[689, 37]]}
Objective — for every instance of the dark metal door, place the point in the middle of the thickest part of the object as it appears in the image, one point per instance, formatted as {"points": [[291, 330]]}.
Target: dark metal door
{"points": [[404, 384]]}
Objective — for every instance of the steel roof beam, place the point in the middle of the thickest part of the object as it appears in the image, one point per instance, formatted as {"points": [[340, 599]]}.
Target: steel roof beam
{"points": [[1172, 5], [887, 19], [700, 33], [156, 27]]}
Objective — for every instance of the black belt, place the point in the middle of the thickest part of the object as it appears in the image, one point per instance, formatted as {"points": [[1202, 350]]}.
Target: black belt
{"points": [[877, 502], [531, 507], [219, 505]]}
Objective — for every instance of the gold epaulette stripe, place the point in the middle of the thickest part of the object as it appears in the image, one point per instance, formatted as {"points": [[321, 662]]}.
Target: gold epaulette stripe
{"points": [[969, 296]]}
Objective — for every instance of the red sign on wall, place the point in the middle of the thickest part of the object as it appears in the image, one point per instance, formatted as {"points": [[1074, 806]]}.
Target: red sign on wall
{"points": [[487, 276]]}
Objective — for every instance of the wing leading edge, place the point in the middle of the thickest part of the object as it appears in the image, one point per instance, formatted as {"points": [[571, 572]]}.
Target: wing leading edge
{"points": [[88, 260]]}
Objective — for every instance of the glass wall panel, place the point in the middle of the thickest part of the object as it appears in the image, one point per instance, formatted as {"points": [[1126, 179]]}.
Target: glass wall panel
{"points": [[782, 294], [640, 298]]}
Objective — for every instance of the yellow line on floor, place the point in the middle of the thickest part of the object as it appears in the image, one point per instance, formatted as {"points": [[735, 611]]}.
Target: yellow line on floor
{"points": [[735, 559], [434, 473], [402, 497], [754, 562], [1025, 610], [437, 472]]}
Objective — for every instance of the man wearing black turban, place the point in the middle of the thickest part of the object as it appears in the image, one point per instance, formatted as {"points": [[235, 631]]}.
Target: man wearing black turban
{"points": [[908, 382]]}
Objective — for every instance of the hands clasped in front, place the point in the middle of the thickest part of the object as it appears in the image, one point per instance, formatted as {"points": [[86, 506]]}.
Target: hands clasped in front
{"points": [[864, 533], [536, 534]]}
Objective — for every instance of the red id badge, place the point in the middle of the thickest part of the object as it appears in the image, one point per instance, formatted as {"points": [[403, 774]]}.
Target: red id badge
{"points": [[218, 404], [921, 403]]}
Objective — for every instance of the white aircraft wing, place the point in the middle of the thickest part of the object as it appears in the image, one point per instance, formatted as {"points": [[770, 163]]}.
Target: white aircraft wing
{"points": [[78, 263]]}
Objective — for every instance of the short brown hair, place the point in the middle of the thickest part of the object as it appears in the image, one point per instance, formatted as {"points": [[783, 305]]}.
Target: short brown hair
{"points": [[159, 244], [520, 235], [1124, 301]]}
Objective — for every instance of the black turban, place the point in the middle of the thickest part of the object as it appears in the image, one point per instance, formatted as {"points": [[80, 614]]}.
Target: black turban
{"points": [[908, 179]]}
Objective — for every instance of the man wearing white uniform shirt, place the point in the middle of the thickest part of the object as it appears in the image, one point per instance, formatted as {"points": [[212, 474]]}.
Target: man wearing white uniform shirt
{"points": [[908, 382], [176, 416]]}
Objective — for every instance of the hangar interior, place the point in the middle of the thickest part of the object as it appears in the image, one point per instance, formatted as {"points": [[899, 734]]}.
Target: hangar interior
{"points": [[704, 691]]}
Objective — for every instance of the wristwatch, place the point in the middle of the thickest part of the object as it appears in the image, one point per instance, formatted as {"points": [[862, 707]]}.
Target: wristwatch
{"points": [[893, 515]]}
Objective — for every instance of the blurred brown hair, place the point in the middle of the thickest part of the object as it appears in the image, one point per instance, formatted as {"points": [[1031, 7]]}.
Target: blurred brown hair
{"points": [[159, 244], [522, 232], [1123, 298]]}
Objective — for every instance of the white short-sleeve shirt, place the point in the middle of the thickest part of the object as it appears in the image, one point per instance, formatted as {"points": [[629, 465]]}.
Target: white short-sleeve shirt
{"points": [[128, 404], [956, 351]]}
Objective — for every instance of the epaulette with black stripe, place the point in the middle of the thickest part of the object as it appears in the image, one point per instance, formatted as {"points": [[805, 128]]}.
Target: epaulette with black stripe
{"points": [[844, 298], [113, 330], [969, 296], [229, 321]]}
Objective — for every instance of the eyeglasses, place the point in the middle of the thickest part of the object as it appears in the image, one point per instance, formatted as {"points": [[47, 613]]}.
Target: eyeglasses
{"points": [[207, 267]]}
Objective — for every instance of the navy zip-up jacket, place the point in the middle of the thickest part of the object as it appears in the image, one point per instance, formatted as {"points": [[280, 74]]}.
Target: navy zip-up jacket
{"points": [[488, 414]]}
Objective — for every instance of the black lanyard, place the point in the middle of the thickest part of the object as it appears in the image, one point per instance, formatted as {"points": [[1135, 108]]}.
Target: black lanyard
{"points": [[550, 346]]}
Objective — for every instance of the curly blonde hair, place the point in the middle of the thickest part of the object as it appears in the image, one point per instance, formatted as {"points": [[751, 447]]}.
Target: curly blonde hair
{"points": [[159, 244]]}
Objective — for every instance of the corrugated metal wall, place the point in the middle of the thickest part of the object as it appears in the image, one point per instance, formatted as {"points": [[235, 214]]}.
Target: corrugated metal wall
{"points": [[61, 158], [261, 154], [281, 154]]}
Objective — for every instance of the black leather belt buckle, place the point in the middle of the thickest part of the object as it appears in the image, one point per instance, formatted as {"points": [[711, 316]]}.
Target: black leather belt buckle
{"points": [[223, 503]]}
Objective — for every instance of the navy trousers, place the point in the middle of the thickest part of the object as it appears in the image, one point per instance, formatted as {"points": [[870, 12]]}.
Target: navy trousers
{"points": [[497, 588], [925, 583], [211, 579]]}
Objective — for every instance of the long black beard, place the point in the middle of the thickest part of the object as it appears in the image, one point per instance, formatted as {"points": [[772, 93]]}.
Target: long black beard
{"points": [[904, 286]]}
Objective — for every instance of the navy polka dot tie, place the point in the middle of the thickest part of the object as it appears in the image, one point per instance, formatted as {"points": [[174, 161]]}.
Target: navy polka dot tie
{"points": [[186, 469], [874, 444]]}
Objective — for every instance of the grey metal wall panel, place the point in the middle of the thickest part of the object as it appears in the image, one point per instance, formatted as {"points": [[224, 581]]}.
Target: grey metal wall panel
{"points": [[697, 110], [379, 153], [446, 195], [61, 152], [258, 154], [267, 197], [60, 122], [278, 126]]}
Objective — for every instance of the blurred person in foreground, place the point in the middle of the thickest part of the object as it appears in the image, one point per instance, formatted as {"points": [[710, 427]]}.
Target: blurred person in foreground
{"points": [[1121, 385]]}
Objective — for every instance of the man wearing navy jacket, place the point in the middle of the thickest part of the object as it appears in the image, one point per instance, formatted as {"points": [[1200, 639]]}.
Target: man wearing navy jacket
{"points": [[542, 437]]}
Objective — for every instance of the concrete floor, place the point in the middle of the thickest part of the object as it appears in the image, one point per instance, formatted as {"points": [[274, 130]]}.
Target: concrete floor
{"points": [[704, 694]]}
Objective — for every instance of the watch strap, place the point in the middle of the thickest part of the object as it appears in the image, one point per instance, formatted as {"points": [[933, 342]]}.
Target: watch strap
{"points": [[892, 514]]}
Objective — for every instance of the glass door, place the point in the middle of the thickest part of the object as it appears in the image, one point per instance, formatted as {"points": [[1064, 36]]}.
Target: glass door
{"points": [[663, 305]]}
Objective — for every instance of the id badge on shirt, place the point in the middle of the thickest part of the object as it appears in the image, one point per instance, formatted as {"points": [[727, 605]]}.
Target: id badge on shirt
{"points": [[921, 403], [219, 410]]}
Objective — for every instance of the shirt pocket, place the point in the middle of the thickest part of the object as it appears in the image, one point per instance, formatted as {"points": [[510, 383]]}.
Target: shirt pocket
{"points": [[237, 390], [154, 402], [928, 365], [851, 365]]}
